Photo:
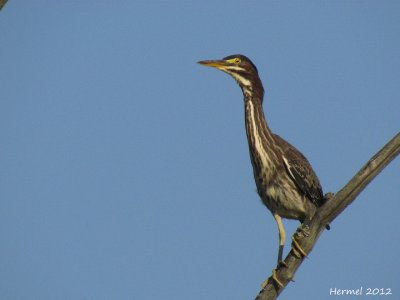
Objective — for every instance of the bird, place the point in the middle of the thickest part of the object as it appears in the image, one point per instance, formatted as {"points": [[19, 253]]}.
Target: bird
{"points": [[285, 180]]}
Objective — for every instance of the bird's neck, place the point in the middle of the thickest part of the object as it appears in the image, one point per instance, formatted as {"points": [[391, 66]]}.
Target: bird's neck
{"points": [[259, 136]]}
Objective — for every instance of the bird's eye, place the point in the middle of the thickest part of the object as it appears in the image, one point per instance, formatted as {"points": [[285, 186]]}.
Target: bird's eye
{"points": [[237, 60]]}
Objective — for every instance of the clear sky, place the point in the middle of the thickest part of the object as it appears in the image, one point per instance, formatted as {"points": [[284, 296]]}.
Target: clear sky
{"points": [[124, 167]]}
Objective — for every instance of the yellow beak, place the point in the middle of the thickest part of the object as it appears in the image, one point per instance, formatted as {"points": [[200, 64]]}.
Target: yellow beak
{"points": [[219, 64]]}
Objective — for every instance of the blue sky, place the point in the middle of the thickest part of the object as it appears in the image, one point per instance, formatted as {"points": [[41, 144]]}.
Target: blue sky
{"points": [[125, 171]]}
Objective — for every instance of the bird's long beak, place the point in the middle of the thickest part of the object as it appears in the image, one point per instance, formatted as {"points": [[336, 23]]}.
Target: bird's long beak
{"points": [[219, 64]]}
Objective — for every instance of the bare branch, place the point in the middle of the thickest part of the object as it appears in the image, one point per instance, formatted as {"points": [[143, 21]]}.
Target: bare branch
{"points": [[326, 214]]}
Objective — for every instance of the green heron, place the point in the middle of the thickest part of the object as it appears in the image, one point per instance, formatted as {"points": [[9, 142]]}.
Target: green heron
{"points": [[285, 180]]}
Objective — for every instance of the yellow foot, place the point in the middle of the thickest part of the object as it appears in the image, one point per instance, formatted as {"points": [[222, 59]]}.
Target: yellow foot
{"points": [[265, 283], [274, 277], [297, 250]]}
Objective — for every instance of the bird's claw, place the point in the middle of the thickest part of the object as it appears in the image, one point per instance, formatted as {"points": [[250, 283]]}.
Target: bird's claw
{"points": [[264, 283], [297, 250], [303, 230], [274, 278]]}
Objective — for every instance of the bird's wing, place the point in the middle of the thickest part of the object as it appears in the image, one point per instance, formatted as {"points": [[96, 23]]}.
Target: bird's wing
{"points": [[301, 172]]}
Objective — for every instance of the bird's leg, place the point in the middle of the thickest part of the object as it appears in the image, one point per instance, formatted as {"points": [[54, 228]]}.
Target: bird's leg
{"points": [[302, 230], [281, 262], [282, 239]]}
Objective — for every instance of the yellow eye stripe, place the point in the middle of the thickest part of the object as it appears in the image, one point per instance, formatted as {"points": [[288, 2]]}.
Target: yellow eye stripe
{"points": [[235, 60]]}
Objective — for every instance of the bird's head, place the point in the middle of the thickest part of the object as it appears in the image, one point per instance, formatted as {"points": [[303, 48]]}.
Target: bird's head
{"points": [[242, 70]]}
